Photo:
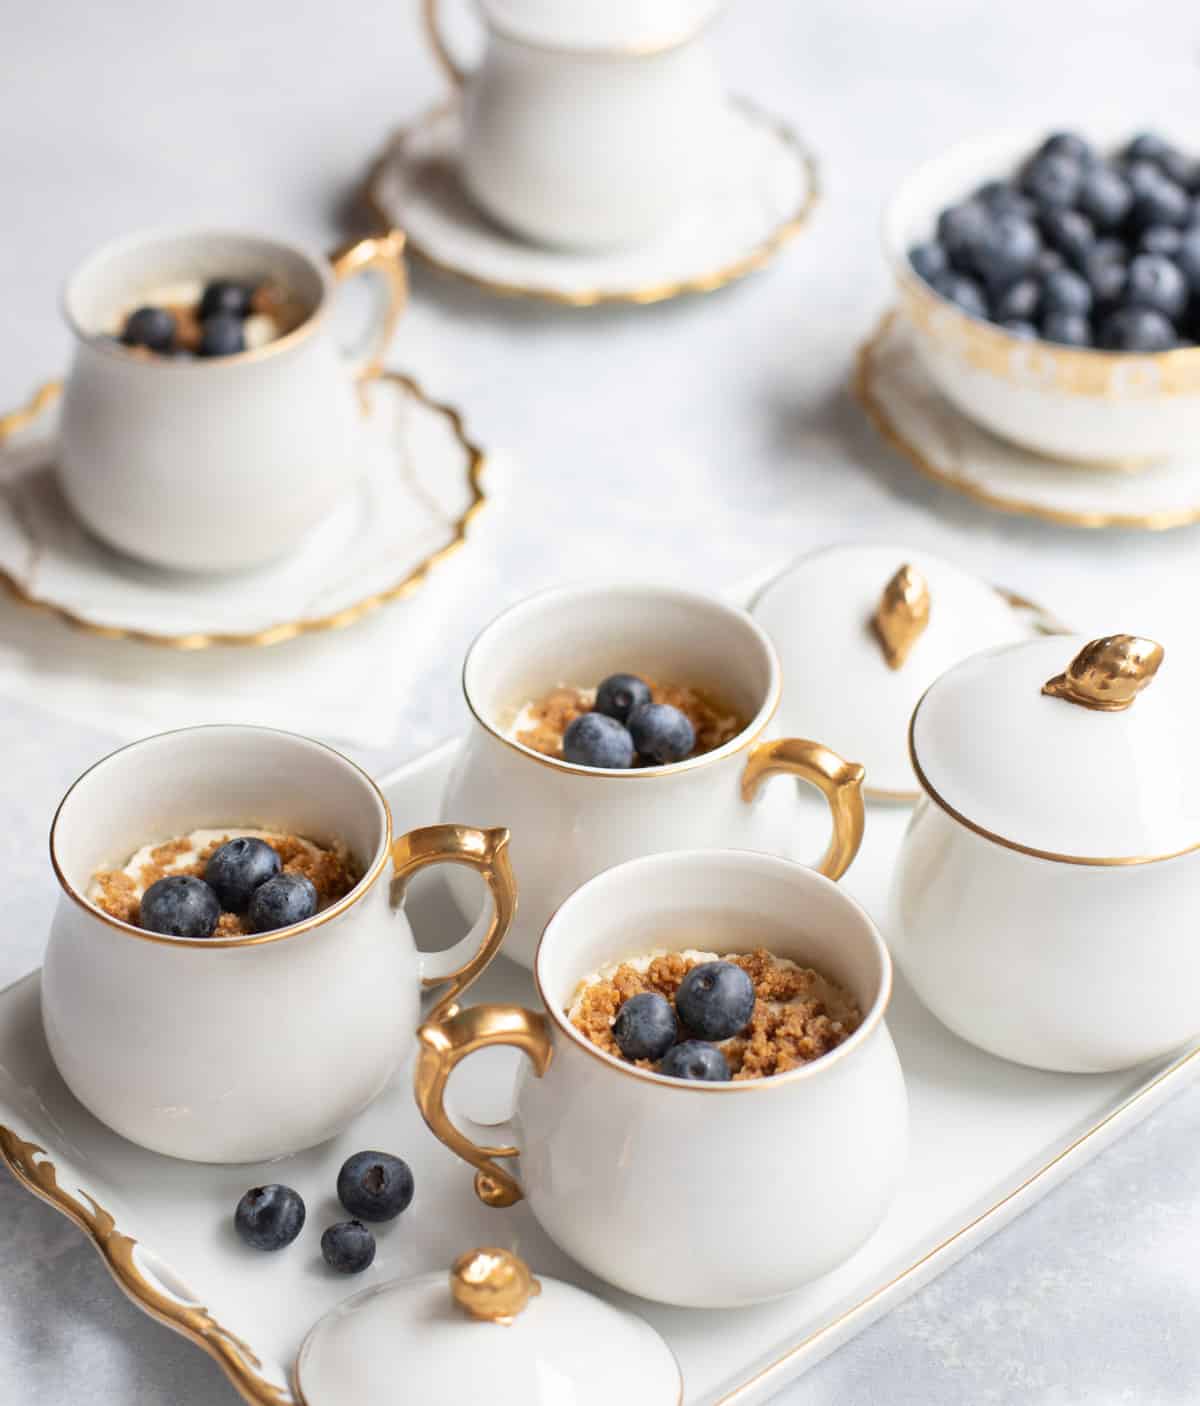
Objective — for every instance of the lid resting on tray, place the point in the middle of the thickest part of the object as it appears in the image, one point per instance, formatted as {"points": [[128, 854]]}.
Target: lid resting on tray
{"points": [[621, 25], [1072, 749], [862, 631], [490, 1333]]}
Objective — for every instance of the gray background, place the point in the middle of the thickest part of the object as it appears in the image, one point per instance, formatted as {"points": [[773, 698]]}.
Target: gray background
{"points": [[711, 437]]}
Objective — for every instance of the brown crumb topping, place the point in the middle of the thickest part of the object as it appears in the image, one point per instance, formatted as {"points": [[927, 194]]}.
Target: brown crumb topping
{"points": [[799, 1015], [333, 874], [552, 714]]}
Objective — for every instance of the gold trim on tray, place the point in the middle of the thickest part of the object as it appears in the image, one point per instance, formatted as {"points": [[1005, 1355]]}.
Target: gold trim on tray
{"points": [[285, 630], [592, 297], [861, 387]]}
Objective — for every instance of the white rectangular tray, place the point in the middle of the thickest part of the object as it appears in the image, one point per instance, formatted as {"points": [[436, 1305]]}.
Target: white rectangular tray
{"points": [[988, 1139]]}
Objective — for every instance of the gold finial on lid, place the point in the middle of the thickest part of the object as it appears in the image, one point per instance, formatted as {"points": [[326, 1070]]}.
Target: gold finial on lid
{"points": [[492, 1285], [1108, 674], [902, 614]]}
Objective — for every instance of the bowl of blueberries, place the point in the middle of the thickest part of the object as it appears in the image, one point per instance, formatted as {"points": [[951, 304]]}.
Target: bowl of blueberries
{"points": [[1052, 284]]}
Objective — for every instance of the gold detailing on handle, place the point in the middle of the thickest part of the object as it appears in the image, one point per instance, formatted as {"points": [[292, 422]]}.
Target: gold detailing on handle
{"points": [[902, 614], [383, 254], [840, 781], [450, 66], [492, 1285], [441, 1045], [485, 851], [1108, 674]]}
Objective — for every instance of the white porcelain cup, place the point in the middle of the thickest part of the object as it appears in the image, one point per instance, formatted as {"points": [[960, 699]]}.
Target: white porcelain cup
{"points": [[241, 1049], [217, 463], [570, 822], [706, 1195], [588, 126]]}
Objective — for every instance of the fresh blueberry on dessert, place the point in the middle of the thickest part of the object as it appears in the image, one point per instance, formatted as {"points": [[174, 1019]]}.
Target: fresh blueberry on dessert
{"points": [[1068, 144], [282, 901], [238, 868], [375, 1186], [715, 1000], [661, 733], [1066, 291], [1006, 247], [1002, 197], [1137, 329], [1161, 239], [1105, 197], [1019, 301], [348, 1247], [964, 291], [225, 295], [693, 1059], [180, 906], [930, 260], [594, 739], [1020, 328], [958, 229], [1071, 233], [620, 694], [1053, 181], [1157, 200], [153, 328], [269, 1217], [1068, 329], [1155, 282], [645, 1027], [222, 334]]}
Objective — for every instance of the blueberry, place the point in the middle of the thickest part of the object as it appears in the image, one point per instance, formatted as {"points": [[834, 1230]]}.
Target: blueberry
{"points": [[348, 1247], [1005, 248], [1106, 272], [1137, 329], [237, 868], [1053, 181], [620, 694], [223, 295], [1155, 282], [375, 1186], [1020, 328], [1019, 301], [1069, 329], [958, 229], [645, 1027], [269, 1217], [695, 1060], [1071, 234], [281, 901], [1068, 144], [180, 906], [929, 260], [149, 327], [1002, 197], [1105, 197], [221, 335], [1161, 239], [661, 733], [1047, 261], [715, 1000], [1146, 146], [964, 292], [593, 739], [1066, 291], [1188, 258], [1158, 201]]}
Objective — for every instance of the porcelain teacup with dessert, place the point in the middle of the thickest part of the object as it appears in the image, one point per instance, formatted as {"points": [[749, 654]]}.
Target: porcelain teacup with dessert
{"points": [[210, 419], [529, 676], [637, 1151], [262, 1029]]}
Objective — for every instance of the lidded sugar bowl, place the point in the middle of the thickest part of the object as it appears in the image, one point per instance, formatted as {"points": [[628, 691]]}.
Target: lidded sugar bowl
{"points": [[494, 1332], [1045, 901]]}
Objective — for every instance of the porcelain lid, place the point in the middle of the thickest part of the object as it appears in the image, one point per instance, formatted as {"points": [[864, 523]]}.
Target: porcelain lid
{"points": [[1077, 750], [621, 26], [862, 631], [490, 1332]]}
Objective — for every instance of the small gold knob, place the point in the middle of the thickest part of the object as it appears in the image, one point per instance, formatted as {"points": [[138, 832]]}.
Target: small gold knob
{"points": [[902, 614], [492, 1285], [1108, 674]]}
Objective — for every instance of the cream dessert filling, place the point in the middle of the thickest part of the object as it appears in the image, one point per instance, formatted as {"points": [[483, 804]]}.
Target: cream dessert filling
{"points": [[155, 861]]}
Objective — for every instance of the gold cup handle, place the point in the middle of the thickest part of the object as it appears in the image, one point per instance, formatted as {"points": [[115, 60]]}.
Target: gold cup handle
{"points": [[456, 72], [485, 851], [441, 1045], [382, 254], [838, 780]]}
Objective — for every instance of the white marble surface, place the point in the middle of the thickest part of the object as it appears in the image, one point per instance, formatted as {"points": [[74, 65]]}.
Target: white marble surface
{"points": [[697, 439]]}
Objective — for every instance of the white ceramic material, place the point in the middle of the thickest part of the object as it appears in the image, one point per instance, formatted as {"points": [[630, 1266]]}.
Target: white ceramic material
{"points": [[590, 129], [837, 682], [218, 463], [997, 1136], [409, 1341], [571, 822], [757, 192], [904, 401], [245, 1048], [1139, 407], [701, 1195], [1035, 906]]}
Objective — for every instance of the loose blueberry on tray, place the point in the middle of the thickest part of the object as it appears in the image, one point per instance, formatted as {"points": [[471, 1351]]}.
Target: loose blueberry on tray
{"points": [[282, 901], [375, 1186], [269, 1217], [348, 1247], [236, 869], [180, 906], [693, 1059], [645, 1027], [715, 1000]]}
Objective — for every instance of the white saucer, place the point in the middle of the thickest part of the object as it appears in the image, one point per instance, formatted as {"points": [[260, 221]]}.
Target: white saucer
{"points": [[761, 194], [914, 417], [411, 508]]}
